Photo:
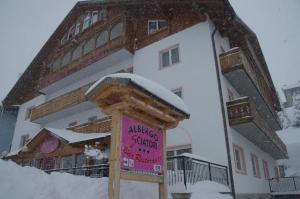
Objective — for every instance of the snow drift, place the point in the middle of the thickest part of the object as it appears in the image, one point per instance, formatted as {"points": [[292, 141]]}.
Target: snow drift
{"points": [[18, 182]]}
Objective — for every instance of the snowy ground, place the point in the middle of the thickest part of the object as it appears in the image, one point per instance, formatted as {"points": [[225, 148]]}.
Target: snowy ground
{"points": [[18, 182]]}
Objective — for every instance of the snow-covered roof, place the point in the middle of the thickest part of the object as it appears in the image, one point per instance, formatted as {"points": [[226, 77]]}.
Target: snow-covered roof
{"points": [[74, 137], [150, 86]]}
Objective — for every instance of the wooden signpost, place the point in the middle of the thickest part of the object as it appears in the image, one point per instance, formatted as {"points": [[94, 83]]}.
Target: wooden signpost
{"points": [[138, 136]]}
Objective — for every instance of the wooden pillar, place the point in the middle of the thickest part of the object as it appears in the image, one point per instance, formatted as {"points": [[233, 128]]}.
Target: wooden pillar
{"points": [[115, 151], [163, 187]]}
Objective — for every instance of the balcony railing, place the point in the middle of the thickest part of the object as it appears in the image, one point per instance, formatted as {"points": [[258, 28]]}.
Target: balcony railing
{"points": [[84, 61], [244, 117], [60, 103], [181, 170], [285, 185], [248, 80], [96, 171], [188, 171]]}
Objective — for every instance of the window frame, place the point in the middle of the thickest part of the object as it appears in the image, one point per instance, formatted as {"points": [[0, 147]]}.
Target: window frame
{"points": [[86, 19], [255, 165], [266, 169], [242, 159], [169, 50], [156, 23], [92, 17]]}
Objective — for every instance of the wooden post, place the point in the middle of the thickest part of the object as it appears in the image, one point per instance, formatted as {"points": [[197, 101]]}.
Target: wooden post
{"points": [[115, 151], [140, 118], [163, 187]]}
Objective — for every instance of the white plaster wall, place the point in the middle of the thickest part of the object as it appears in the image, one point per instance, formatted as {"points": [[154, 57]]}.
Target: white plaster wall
{"points": [[196, 75], [23, 126], [248, 183]]}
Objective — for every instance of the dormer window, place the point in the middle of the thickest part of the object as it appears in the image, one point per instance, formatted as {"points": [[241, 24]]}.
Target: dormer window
{"points": [[155, 25], [71, 32], [102, 15], [94, 17], [86, 21], [77, 28]]}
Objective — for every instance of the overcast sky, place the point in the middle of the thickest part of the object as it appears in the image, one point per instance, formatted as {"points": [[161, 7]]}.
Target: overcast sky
{"points": [[26, 25]]}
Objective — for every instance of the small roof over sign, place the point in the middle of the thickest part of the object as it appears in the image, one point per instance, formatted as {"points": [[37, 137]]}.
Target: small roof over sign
{"points": [[152, 88]]}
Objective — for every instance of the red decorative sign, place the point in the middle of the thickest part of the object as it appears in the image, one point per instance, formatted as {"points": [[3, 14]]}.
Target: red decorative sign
{"points": [[142, 147], [49, 145]]}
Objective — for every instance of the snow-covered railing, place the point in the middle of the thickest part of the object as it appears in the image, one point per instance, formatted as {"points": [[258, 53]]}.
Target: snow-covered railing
{"points": [[97, 171], [285, 184], [190, 170]]}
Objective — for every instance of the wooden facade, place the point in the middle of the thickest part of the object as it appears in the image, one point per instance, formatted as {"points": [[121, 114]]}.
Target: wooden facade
{"points": [[33, 155]]}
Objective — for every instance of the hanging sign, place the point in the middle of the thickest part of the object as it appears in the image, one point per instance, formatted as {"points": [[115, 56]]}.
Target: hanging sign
{"points": [[142, 147]]}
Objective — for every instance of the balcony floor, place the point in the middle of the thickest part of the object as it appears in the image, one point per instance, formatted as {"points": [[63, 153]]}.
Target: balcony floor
{"points": [[81, 107], [255, 134]]}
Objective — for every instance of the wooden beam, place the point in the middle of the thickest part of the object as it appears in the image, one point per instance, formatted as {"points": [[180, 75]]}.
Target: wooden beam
{"points": [[141, 177]]}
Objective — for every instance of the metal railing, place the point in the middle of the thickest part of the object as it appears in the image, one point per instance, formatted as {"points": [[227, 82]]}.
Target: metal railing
{"points": [[96, 171], [284, 184], [181, 169], [186, 170]]}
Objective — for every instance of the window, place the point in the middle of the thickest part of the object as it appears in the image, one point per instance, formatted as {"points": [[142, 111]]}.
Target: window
{"points": [[24, 140], [92, 119], [66, 162], [177, 163], [94, 17], [80, 162], [169, 56], [89, 46], [116, 31], [66, 58], [86, 21], [155, 25], [255, 165], [178, 92], [28, 112], [239, 158], [64, 39], [56, 65], [71, 33], [102, 39], [266, 169], [276, 172], [102, 15], [77, 28], [72, 124], [77, 52]]}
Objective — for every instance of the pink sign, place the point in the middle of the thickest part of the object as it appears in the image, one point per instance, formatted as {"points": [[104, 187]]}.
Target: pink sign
{"points": [[142, 147], [49, 145]]}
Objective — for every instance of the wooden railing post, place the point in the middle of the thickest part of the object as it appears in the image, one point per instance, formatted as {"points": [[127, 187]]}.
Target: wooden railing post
{"points": [[209, 171]]}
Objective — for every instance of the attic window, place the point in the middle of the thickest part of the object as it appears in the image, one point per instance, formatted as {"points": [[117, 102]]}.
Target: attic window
{"points": [[86, 21], [94, 17], [155, 25], [116, 31], [77, 28], [71, 33]]}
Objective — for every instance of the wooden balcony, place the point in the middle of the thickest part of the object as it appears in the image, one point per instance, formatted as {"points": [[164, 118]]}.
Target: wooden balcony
{"points": [[59, 104], [245, 119], [248, 81], [111, 53]]}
